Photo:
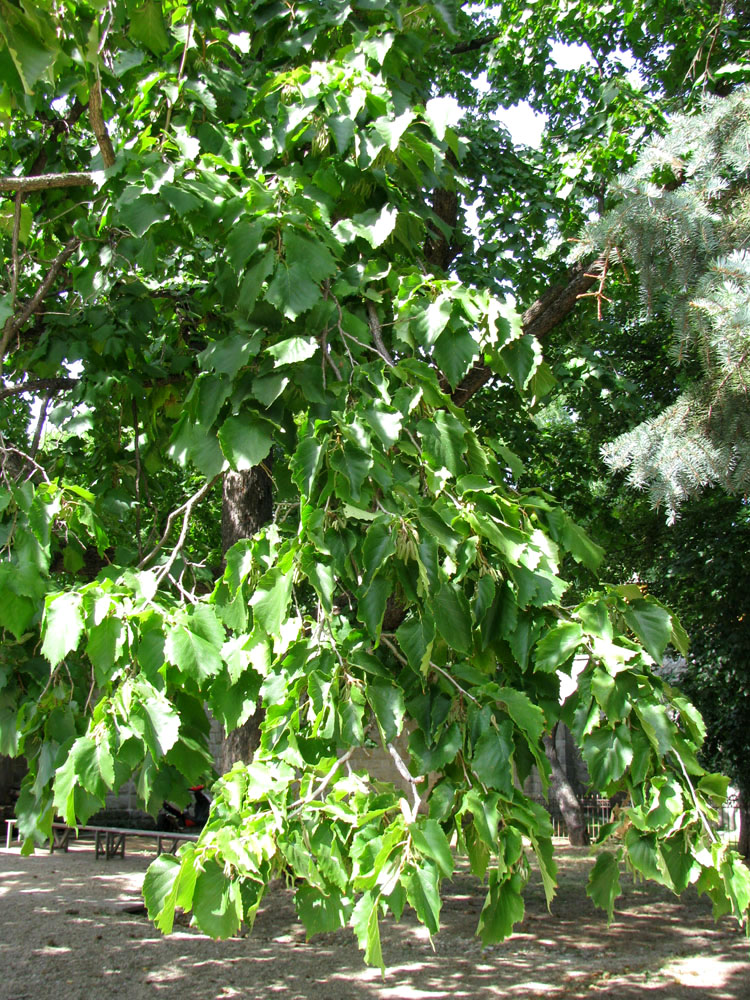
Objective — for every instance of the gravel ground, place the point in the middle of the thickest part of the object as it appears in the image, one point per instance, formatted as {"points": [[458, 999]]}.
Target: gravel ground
{"points": [[67, 932]]}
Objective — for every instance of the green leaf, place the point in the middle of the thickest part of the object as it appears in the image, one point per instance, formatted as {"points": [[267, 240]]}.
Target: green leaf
{"points": [[416, 638], [492, 757], [608, 753], [652, 624], [147, 26], [252, 282], [243, 242], [365, 925], [604, 883], [62, 626], [434, 758], [31, 55], [528, 717], [271, 600], [154, 718], [94, 765], [391, 129], [557, 646], [320, 912], [64, 791], [453, 618], [312, 257], [429, 323], [228, 355], [191, 652], [387, 702], [142, 213], [657, 726], [379, 545], [644, 854], [292, 291], [293, 350], [521, 358], [8, 732], [373, 226], [428, 838], [306, 463], [158, 886], [342, 130], [371, 605], [503, 908], [16, 613], [217, 903], [455, 352], [423, 893], [246, 440]]}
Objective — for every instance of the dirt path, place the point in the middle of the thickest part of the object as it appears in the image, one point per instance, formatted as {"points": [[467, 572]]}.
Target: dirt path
{"points": [[65, 935]]}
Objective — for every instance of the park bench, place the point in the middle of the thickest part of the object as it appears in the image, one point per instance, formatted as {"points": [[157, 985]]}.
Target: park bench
{"points": [[109, 841]]}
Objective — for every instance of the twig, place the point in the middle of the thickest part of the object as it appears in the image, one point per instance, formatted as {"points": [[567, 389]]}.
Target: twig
{"points": [[314, 793], [40, 182], [137, 450], [180, 71], [14, 250], [185, 509], [14, 323], [711, 835], [455, 683], [408, 778], [40, 425], [377, 334]]}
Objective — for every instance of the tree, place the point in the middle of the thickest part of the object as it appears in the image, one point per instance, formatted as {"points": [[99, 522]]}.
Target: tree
{"points": [[230, 254]]}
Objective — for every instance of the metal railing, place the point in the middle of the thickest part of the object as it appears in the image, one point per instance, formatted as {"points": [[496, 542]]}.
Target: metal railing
{"points": [[597, 811]]}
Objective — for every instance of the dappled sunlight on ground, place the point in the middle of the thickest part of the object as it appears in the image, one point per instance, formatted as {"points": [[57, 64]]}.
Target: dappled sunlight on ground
{"points": [[67, 930]]}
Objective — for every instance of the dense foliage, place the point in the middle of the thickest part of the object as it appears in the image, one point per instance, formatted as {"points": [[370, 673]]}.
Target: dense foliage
{"points": [[225, 253]]}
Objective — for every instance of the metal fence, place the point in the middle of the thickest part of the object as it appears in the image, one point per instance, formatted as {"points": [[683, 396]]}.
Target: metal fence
{"points": [[597, 811]]}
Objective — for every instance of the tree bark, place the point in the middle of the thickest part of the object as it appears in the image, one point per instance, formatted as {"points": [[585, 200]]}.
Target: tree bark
{"points": [[541, 317], [570, 807], [743, 840], [247, 504]]}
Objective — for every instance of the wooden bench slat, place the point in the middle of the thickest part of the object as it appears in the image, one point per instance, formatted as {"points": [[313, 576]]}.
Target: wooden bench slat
{"points": [[109, 841]]}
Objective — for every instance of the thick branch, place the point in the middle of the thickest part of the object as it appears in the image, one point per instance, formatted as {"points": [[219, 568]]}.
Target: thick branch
{"points": [[43, 181], [541, 317], [97, 123], [14, 323], [40, 385], [473, 44]]}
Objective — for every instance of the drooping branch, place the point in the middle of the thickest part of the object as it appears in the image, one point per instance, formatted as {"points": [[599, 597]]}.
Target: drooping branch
{"points": [[542, 316], [41, 182], [14, 323]]}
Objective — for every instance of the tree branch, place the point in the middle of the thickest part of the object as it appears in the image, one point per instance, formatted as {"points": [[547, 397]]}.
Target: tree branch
{"points": [[97, 124], [41, 182], [473, 44], [38, 385], [14, 323], [542, 316], [186, 509]]}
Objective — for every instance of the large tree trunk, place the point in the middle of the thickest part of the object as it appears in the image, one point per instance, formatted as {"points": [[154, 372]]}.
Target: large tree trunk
{"points": [[567, 799], [247, 504], [743, 845]]}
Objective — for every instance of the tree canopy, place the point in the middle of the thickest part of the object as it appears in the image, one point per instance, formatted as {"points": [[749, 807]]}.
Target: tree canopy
{"points": [[234, 242]]}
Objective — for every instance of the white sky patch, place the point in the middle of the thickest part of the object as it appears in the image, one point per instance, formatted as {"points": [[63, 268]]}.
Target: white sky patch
{"points": [[525, 125], [567, 56]]}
